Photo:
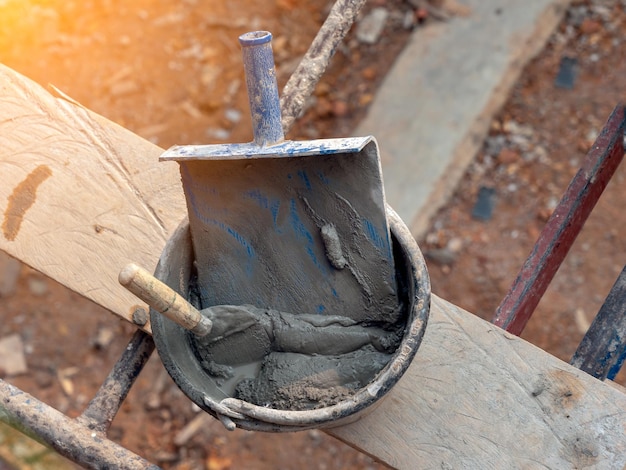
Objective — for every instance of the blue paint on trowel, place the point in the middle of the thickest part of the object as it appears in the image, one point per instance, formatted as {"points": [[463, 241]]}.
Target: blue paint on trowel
{"points": [[296, 223], [305, 179], [323, 177], [259, 213], [264, 202], [374, 235], [303, 233], [274, 210]]}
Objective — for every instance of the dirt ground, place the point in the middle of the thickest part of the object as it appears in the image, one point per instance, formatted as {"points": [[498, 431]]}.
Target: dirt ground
{"points": [[535, 147], [170, 71]]}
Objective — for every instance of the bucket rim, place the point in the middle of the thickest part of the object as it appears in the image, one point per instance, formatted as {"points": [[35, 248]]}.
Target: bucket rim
{"points": [[238, 413]]}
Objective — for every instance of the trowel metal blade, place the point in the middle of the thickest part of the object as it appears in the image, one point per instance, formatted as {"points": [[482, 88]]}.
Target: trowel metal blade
{"points": [[298, 228]]}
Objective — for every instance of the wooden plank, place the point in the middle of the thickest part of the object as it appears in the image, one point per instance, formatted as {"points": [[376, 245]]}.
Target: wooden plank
{"points": [[478, 397], [80, 196], [434, 108]]}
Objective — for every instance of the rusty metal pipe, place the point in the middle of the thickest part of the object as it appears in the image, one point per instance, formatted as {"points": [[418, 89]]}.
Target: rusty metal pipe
{"points": [[101, 410], [68, 437], [308, 73]]}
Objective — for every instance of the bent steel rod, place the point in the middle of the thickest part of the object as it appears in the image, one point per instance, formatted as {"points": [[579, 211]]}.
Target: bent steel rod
{"points": [[105, 404], [68, 437], [313, 65], [564, 225]]}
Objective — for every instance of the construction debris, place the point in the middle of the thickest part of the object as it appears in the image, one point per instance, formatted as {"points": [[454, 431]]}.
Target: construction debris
{"points": [[12, 358], [370, 28], [483, 209], [566, 77]]}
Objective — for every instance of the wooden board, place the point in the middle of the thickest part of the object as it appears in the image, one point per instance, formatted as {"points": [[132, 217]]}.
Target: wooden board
{"points": [[79, 195], [478, 397], [433, 110]]}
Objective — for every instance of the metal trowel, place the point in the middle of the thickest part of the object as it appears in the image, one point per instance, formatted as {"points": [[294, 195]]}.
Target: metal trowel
{"points": [[294, 226]]}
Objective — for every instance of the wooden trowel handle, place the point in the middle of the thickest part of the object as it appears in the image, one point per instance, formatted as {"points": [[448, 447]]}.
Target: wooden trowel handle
{"points": [[163, 299]]}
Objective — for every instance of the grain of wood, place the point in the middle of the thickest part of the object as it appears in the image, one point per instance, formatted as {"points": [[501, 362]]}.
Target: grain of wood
{"points": [[474, 397], [478, 397], [80, 196]]}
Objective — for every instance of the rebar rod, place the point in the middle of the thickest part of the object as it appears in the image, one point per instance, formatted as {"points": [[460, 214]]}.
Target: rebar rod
{"points": [[105, 404], [314, 63], [68, 437]]}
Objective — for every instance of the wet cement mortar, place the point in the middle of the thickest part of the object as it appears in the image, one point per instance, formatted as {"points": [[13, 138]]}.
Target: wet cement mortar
{"points": [[302, 361], [132, 62]]}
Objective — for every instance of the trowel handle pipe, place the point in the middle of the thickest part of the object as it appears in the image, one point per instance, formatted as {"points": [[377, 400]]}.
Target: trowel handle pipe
{"points": [[258, 63], [164, 299]]}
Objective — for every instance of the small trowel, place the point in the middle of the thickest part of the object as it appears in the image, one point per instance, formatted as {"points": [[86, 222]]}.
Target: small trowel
{"points": [[219, 322], [294, 226]]}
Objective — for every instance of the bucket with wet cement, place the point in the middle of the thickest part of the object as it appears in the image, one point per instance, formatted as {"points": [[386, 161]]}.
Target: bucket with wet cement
{"points": [[272, 374], [302, 297]]}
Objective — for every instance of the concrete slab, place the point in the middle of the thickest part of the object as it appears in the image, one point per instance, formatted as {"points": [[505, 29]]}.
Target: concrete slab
{"points": [[434, 108]]}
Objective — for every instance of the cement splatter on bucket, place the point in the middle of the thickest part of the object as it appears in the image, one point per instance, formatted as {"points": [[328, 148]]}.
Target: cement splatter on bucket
{"points": [[178, 348]]}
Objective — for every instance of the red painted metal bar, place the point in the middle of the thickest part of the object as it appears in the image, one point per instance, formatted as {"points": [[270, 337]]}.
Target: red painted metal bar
{"points": [[563, 226]]}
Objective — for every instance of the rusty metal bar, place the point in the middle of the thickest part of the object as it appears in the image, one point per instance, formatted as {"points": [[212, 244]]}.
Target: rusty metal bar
{"points": [[313, 65], [68, 437], [563, 226], [602, 351], [105, 404]]}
